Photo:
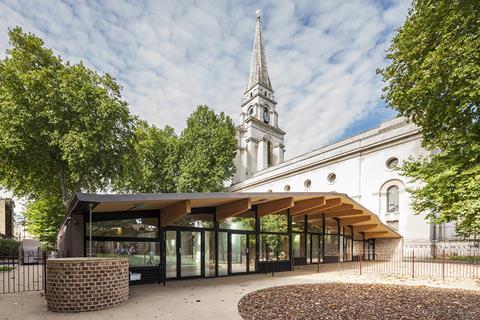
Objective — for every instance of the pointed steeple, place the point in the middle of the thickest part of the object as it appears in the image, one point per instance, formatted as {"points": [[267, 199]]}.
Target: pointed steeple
{"points": [[258, 68]]}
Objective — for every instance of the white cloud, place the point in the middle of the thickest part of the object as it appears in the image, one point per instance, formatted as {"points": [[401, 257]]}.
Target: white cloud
{"points": [[170, 56]]}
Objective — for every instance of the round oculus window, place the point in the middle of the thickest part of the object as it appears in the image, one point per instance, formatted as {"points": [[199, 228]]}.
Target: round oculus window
{"points": [[307, 184], [286, 188], [332, 177], [392, 163]]}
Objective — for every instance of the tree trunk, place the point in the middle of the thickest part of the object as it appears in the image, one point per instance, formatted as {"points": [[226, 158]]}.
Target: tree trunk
{"points": [[63, 186]]}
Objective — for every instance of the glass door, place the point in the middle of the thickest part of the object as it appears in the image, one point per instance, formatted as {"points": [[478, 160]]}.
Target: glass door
{"points": [[316, 246], [243, 253], [190, 253], [171, 253], [252, 253], [222, 253], [238, 255], [209, 253]]}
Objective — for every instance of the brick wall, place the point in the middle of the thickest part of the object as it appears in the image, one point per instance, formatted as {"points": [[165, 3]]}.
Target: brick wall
{"points": [[86, 284]]}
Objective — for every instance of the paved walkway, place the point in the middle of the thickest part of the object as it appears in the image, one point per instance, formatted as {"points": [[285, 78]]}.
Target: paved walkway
{"points": [[201, 298]]}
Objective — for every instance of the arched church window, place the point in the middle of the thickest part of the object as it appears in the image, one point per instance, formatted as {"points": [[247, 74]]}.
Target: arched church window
{"points": [[250, 111], [269, 154], [393, 199], [266, 114]]}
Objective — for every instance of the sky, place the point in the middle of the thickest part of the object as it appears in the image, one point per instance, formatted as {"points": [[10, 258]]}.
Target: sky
{"points": [[170, 56]]}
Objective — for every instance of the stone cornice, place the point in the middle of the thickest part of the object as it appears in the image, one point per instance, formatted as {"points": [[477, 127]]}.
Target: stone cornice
{"points": [[262, 96], [264, 125], [306, 162]]}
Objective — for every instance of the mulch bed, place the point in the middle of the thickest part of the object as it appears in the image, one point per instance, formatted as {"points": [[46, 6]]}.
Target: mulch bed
{"points": [[359, 301]]}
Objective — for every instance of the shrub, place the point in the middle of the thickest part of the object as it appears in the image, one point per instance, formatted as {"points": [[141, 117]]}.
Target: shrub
{"points": [[9, 247]]}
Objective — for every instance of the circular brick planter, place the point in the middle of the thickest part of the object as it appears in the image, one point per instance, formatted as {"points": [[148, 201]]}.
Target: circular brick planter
{"points": [[86, 284]]}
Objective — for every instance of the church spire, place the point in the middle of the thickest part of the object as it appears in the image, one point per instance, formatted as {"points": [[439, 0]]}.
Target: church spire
{"points": [[258, 68]]}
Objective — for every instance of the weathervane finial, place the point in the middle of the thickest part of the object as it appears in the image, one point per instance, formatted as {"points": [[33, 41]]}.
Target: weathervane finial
{"points": [[258, 13]]}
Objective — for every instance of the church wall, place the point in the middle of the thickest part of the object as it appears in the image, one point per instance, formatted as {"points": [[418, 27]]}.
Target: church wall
{"points": [[362, 175], [376, 177]]}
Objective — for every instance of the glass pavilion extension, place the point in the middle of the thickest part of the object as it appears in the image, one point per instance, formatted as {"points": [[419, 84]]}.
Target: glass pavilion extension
{"points": [[185, 235]]}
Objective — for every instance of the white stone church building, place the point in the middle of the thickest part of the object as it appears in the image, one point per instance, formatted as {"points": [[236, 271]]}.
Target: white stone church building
{"points": [[362, 166]]}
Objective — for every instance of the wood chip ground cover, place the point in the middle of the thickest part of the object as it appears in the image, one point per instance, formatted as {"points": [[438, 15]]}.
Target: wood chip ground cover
{"points": [[359, 301]]}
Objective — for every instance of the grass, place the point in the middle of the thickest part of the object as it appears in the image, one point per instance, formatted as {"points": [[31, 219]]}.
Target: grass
{"points": [[6, 268], [465, 258]]}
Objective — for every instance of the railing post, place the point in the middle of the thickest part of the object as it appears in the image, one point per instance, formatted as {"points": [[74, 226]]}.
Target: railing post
{"points": [[318, 260], [413, 263], [45, 272], [292, 259], [475, 268], [360, 263], [443, 264], [273, 263]]}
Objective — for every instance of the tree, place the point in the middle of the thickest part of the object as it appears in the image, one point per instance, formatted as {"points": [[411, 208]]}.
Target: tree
{"points": [[43, 218], [207, 150], [433, 79], [200, 160], [63, 127], [152, 164]]}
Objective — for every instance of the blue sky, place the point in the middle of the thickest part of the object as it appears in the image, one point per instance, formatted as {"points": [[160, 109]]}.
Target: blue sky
{"points": [[170, 56]]}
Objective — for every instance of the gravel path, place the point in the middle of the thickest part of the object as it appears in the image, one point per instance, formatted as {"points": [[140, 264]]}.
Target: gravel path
{"points": [[359, 301]]}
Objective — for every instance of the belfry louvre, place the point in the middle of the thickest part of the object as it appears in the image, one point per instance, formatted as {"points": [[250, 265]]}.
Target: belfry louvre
{"points": [[184, 235]]}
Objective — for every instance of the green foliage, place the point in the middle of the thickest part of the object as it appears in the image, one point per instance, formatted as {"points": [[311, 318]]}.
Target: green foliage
{"points": [[273, 223], [6, 268], [434, 80], [473, 259], [43, 218], [9, 247], [199, 160], [151, 165], [207, 150], [63, 127]]}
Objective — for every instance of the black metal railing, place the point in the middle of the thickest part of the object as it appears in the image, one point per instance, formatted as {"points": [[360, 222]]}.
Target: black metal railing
{"points": [[413, 263], [23, 272]]}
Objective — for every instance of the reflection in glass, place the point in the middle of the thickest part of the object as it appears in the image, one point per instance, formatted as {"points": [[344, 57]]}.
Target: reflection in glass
{"points": [[274, 222], [135, 228], [331, 226], [347, 231], [273, 247], [315, 247], [252, 251], [348, 249], [298, 245], [171, 253], [298, 223], [315, 223], [190, 253], [309, 248], [244, 221], [239, 253], [331, 245], [392, 199], [198, 220], [139, 254], [209, 253], [222, 253]]}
